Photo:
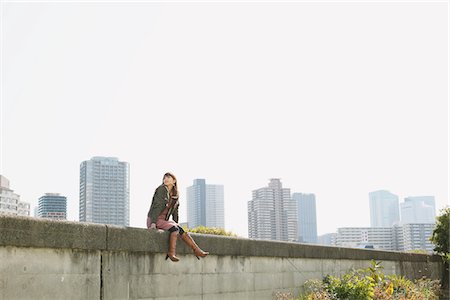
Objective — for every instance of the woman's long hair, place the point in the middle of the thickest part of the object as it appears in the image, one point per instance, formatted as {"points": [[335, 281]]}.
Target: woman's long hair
{"points": [[174, 191]]}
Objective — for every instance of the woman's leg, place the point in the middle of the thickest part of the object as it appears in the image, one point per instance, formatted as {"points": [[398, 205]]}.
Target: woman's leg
{"points": [[172, 244], [185, 236]]}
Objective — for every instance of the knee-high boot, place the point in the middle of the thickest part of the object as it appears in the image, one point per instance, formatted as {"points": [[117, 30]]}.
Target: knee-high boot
{"points": [[172, 246], [191, 243]]}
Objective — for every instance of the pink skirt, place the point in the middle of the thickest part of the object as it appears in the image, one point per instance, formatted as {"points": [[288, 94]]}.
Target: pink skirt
{"points": [[161, 223]]}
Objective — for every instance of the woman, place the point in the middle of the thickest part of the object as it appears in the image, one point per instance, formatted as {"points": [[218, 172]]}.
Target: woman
{"points": [[165, 204]]}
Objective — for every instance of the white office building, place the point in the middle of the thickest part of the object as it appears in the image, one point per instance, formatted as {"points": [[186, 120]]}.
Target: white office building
{"points": [[418, 210], [10, 203], [52, 206], [105, 191], [327, 239], [307, 220], [205, 204], [384, 209], [396, 238], [353, 237], [417, 237]]}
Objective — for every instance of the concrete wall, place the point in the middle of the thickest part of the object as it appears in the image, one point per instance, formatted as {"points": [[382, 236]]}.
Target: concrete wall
{"points": [[43, 259]]}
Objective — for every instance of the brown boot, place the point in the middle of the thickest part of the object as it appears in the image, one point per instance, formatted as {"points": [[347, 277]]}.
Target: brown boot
{"points": [[190, 242], [172, 246]]}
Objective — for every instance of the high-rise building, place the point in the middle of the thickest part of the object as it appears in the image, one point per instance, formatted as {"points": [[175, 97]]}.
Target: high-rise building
{"points": [[52, 206], [418, 210], [307, 221], [215, 216], [272, 214], [10, 203], [105, 191], [205, 204], [384, 209]]}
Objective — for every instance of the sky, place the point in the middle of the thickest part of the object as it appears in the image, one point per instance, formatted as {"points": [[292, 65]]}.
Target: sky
{"points": [[334, 98]]}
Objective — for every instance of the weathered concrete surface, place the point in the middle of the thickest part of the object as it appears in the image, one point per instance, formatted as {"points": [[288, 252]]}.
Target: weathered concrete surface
{"points": [[49, 273], [43, 259], [32, 232]]}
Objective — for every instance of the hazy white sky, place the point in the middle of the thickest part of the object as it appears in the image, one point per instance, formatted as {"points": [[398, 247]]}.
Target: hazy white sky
{"points": [[336, 99]]}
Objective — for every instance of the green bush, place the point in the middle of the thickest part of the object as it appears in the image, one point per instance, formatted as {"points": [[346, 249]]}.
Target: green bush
{"points": [[398, 287], [440, 236], [371, 283], [350, 287], [210, 230]]}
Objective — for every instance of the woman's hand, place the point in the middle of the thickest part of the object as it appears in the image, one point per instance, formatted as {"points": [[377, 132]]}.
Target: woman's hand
{"points": [[153, 226]]}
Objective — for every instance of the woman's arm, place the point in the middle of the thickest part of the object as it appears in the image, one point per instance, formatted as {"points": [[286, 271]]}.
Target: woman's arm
{"points": [[158, 203], [175, 213]]}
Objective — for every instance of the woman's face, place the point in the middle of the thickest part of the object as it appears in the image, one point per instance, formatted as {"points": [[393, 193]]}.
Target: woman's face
{"points": [[168, 180]]}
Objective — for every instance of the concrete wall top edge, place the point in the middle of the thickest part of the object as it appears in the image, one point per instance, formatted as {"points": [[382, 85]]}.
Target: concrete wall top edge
{"points": [[43, 233]]}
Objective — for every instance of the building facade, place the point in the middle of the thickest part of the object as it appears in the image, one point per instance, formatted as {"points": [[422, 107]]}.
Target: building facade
{"points": [[327, 239], [418, 210], [307, 220], [52, 206], [105, 191], [380, 237], [406, 237], [205, 204], [384, 209], [10, 203], [272, 214], [417, 237]]}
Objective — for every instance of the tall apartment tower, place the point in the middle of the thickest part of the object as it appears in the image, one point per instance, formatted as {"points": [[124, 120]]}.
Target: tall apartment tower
{"points": [[52, 206], [420, 209], [272, 214], [10, 203], [384, 209], [105, 191], [205, 204], [307, 220]]}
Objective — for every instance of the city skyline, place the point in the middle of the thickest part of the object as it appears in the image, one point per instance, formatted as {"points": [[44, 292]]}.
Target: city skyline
{"points": [[331, 108], [185, 219]]}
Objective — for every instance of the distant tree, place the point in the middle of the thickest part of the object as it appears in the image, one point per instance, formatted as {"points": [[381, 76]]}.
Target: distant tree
{"points": [[210, 230], [440, 238]]}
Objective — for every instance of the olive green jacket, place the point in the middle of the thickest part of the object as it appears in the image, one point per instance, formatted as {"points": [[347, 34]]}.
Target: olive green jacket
{"points": [[160, 200]]}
